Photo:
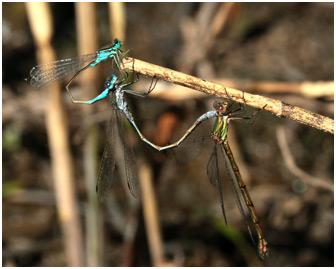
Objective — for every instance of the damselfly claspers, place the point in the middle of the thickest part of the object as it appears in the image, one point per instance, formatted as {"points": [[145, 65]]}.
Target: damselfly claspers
{"points": [[223, 115]]}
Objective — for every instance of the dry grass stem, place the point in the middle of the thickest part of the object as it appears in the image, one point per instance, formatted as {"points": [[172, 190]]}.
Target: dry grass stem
{"points": [[277, 107], [87, 36], [149, 204], [117, 18], [40, 19]]}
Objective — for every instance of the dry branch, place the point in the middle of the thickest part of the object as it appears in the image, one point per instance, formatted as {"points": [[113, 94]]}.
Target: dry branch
{"points": [[308, 89], [276, 107]]}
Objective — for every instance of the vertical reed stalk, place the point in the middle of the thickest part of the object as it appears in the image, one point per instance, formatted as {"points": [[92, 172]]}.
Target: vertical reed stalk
{"points": [[87, 36], [40, 19]]}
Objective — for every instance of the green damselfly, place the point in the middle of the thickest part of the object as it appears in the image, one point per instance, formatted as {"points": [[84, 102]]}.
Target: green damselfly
{"points": [[224, 114]]}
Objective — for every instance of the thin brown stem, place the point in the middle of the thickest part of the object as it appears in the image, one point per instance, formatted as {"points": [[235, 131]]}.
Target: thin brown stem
{"points": [[277, 107], [117, 18], [149, 204], [87, 36], [294, 169]]}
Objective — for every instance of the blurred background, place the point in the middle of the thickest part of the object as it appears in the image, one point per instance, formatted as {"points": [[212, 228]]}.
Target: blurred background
{"points": [[51, 148]]}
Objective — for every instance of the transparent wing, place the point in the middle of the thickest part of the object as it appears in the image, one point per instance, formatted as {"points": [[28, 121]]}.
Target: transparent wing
{"points": [[212, 167], [214, 177], [130, 161], [44, 74], [235, 192], [107, 164], [189, 149]]}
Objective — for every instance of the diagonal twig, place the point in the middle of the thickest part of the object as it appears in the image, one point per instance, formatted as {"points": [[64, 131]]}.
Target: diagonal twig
{"points": [[277, 107], [294, 169]]}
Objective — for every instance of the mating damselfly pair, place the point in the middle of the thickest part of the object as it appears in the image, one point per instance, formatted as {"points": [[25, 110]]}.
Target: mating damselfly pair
{"points": [[59, 70]]}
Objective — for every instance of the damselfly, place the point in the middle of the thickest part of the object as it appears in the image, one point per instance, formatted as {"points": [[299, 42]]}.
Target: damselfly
{"points": [[108, 162], [44, 74], [223, 114], [119, 105]]}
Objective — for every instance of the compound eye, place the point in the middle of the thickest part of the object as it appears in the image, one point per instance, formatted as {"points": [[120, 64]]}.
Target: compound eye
{"points": [[108, 84], [215, 104]]}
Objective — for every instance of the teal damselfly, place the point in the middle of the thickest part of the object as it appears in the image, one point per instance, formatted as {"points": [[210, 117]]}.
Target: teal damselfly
{"points": [[224, 114], [106, 171], [119, 106], [45, 74]]}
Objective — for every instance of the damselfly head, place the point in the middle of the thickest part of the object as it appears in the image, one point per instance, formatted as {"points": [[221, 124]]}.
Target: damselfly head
{"points": [[111, 82], [108, 84], [116, 43], [221, 107]]}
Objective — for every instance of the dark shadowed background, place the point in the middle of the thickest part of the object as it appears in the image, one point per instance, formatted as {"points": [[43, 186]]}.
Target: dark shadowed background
{"points": [[279, 42]]}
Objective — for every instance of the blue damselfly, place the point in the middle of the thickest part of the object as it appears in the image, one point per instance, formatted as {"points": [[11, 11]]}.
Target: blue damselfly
{"points": [[45, 74]]}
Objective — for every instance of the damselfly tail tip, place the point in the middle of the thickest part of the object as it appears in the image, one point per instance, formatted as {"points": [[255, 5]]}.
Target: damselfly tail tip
{"points": [[263, 249]]}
